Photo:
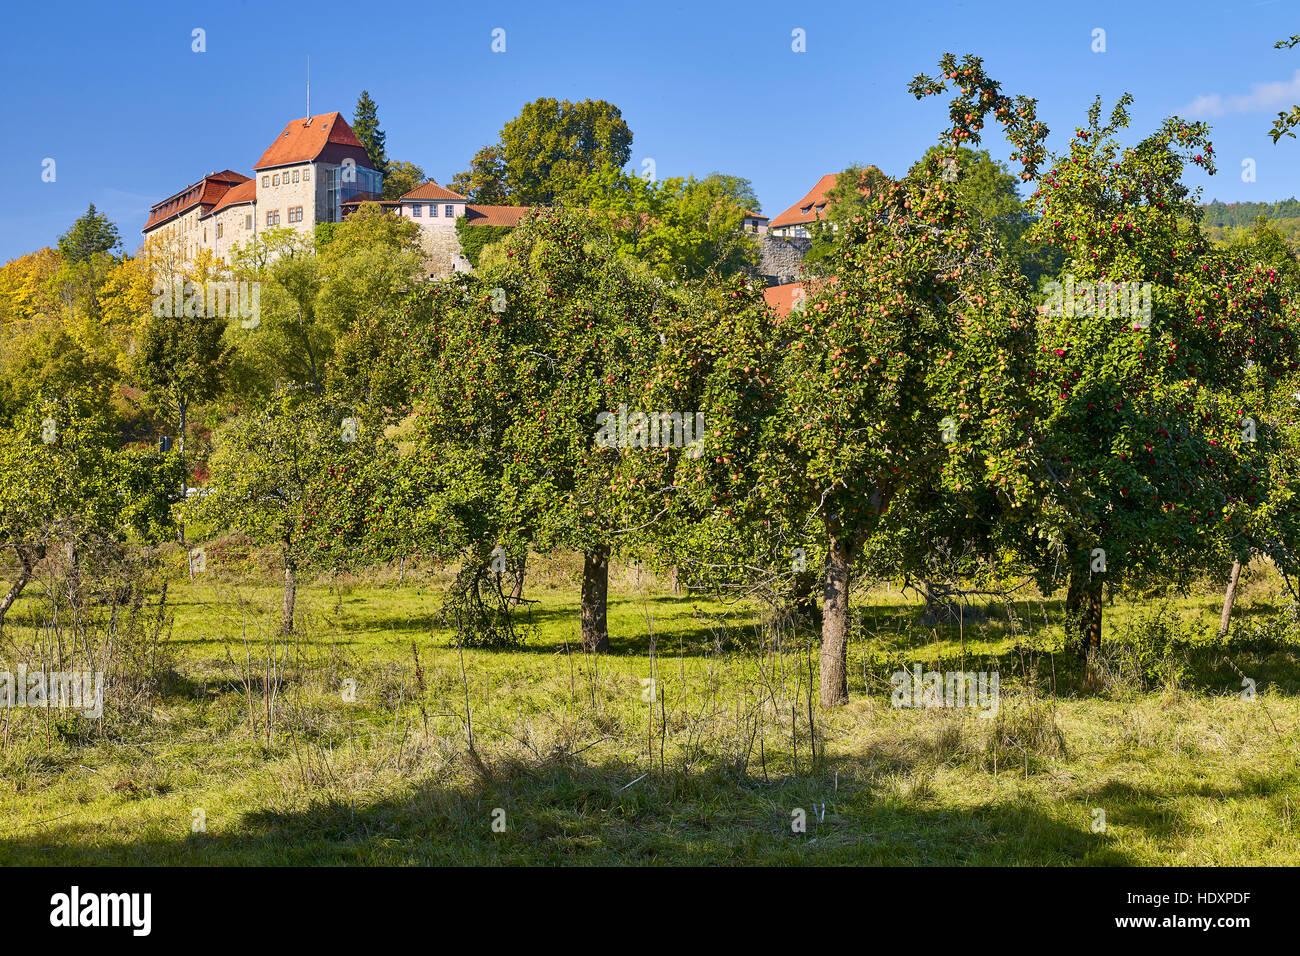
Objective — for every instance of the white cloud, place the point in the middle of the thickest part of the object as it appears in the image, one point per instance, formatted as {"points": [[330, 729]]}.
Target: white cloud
{"points": [[1263, 97]]}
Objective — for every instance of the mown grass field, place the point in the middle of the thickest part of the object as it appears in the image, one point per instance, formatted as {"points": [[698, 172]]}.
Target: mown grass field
{"points": [[587, 771]]}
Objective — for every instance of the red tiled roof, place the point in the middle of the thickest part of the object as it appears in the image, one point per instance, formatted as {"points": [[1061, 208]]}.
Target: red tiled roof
{"points": [[304, 139], [218, 184], [235, 196], [494, 215], [811, 206], [807, 209], [781, 298], [750, 214], [207, 192], [432, 190]]}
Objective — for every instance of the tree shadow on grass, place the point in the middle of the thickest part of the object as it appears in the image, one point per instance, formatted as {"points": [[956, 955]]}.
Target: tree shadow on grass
{"points": [[608, 814], [1202, 668], [552, 628], [1156, 813]]}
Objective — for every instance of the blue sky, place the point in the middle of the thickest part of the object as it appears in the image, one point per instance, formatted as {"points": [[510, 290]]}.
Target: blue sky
{"points": [[130, 114]]}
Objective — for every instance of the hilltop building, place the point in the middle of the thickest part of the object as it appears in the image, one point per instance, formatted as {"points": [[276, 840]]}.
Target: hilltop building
{"points": [[177, 217], [754, 222], [302, 178], [788, 241], [315, 171], [435, 209], [794, 222]]}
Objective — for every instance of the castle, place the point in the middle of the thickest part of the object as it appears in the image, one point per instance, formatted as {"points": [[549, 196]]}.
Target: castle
{"points": [[315, 171], [318, 171]]}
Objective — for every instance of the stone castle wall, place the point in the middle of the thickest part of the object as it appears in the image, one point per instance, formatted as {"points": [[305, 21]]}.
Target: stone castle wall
{"points": [[442, 251]]}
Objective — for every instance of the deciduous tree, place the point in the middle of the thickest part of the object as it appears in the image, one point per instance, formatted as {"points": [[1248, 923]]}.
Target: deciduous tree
{"points": [[545, 151]]}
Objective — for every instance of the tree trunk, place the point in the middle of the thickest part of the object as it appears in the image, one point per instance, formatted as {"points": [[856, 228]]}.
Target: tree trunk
{"points": [[15, 589], [1083, 605], [290, 596], [1229, 598], [835, 625], [595, 590], [677, 580], [1074, 601], [183, 408], [1083, 602], [803, 603], [518, 592], [1092, 618]]}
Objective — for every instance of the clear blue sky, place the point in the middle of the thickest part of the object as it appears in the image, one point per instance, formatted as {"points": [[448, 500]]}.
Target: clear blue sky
{"points": [[113, 92]]}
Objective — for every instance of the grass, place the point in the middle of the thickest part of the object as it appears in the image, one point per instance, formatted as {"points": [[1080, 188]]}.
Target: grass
{"points": [[582, 769]]}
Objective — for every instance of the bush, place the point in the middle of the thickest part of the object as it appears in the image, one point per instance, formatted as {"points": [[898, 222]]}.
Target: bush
{"points": [[1152, 649], [1280, 630], [473, 239]]}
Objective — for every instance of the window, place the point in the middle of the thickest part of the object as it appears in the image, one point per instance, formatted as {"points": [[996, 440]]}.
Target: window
{"points": [[248, 221], [220, 230], [273, 217], [306, 175], [450, 212], [275, 180], [350, 184], [415, 210], [266, 181], [295, 175], [205, 233], [295, 213], [433, 210]]}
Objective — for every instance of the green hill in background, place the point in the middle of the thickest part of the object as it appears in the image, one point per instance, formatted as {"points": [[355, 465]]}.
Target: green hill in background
{"points": [[1225, 221]]}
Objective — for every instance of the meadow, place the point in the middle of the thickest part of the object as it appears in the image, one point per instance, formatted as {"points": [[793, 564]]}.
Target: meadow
{"points": [[369, 737]]}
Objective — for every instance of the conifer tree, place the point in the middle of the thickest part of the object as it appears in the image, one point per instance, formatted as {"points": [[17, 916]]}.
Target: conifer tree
{"points": [[365, 123]]}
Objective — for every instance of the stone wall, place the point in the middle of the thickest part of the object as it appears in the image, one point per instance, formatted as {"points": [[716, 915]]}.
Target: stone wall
{"points": [[307, 192], [185, 231], [780, 258], [234, 229], [441, 246]]}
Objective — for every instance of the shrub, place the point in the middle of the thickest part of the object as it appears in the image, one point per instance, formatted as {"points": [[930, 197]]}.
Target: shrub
{"points": [[473, 239], [1152, 649]]}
